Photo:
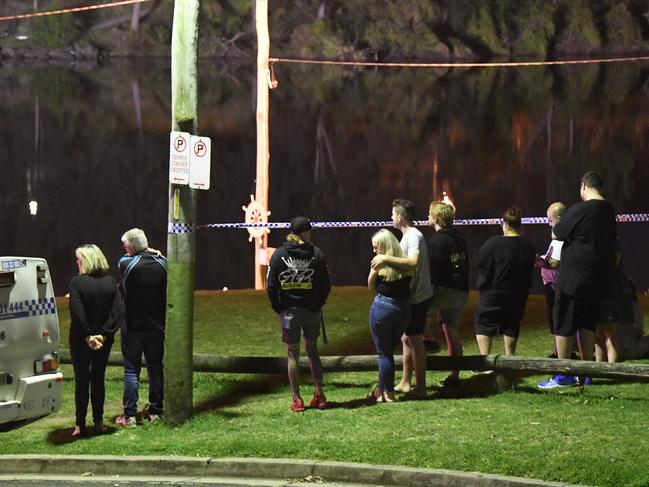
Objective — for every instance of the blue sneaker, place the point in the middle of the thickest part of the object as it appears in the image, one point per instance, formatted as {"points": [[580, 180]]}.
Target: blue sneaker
{"points": [[558, 381]]}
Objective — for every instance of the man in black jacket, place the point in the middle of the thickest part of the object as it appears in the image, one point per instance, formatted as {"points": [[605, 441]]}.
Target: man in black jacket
{"points": [[144, 288], [298, 285]]}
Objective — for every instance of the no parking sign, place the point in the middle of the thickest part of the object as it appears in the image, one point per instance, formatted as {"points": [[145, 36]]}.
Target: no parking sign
{"points": [[199, 162], [189, 160]]}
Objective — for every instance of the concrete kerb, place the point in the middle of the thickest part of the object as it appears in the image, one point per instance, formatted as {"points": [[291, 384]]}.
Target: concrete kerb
{"points": [[255, 468]]}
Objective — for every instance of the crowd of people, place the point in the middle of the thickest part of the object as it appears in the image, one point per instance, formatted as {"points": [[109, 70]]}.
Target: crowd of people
{"points": [[98, 308], [588, 295]]}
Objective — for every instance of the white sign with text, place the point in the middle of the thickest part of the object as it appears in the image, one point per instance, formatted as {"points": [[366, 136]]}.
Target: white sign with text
{"points": [[199, 162], [179, 150]]}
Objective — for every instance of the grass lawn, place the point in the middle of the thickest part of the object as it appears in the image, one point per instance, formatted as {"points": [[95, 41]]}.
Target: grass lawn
{"points": [[593, 437]]}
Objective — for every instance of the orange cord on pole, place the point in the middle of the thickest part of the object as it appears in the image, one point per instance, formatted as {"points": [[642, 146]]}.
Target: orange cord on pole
{"points": [[457, 65], [71, 10]]}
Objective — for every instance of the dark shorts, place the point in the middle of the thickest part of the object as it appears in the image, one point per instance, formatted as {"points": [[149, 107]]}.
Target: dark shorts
{"points": [[293, 320], [499, 313], [575, 313], [418, 313]]}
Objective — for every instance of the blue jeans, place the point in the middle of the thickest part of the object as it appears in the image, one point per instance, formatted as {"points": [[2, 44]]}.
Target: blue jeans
{"points": [[151, 343], [388, 320]]}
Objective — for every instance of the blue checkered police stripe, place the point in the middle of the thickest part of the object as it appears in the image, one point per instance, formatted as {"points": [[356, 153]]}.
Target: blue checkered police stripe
{"points": [[533, 220], [43, 306], [177, 228]]}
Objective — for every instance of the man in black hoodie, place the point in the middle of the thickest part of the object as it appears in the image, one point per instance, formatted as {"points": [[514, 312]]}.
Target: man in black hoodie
{"points": [[298, 286]]}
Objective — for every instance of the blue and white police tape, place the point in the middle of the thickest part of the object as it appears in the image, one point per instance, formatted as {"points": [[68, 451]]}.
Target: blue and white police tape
{"points": [[179, 228], [533, 220]]}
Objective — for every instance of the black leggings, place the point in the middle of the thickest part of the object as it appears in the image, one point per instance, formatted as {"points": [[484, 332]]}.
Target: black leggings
{"points": [[89, 371]]}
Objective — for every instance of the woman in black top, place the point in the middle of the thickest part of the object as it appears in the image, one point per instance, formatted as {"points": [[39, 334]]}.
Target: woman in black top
{"points": [[95, 311], [390, 312], [505, 265]]}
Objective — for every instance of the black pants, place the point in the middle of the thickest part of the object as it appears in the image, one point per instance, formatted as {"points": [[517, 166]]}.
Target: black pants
{"points": [[89, 371]]}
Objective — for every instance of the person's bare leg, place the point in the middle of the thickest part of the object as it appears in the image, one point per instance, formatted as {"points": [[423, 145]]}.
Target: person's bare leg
{"points": [[610, 336], [587, 339], [564, 346], [419, 360], [406, 377], [293, 351], [510, 344], [315, 364], [454, 345], [600, 346], [612, 354], [579, 345], [484, 344], [428, 328]]}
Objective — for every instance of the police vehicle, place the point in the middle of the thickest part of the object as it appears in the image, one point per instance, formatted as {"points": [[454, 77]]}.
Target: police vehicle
{"points": [[30, 380]]}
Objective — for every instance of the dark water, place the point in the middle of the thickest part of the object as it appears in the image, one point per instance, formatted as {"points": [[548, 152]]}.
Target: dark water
{"points": [[90, 145]]}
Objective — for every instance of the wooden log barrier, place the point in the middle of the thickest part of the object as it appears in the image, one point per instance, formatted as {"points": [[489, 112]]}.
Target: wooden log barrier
{"points": [[519, 366]]}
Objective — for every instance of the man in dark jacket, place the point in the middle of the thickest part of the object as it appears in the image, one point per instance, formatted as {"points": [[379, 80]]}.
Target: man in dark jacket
{"points": [[298, 285], [144, 288]]}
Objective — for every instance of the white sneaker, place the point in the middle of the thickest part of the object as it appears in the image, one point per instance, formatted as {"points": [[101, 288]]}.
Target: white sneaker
{"points": [[126, 421]]}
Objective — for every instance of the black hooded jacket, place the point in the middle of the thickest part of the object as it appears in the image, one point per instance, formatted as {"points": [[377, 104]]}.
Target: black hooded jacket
{"points": [[298, 277], [449, 265]]}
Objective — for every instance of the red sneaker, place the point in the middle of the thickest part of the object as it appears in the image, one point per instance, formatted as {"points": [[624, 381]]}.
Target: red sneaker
{"points": [[318, 401], [297, 406]]}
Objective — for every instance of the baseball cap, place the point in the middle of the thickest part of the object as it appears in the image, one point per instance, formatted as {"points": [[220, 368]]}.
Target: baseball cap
{"points": [[300, 224]]}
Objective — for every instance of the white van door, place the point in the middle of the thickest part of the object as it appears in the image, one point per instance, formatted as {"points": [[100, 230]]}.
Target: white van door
{"points": [[30, 380]]}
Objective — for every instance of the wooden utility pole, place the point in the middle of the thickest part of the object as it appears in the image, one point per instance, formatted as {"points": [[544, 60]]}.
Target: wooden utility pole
{"points": [[263, 153], [181, 238], [135, 19]]}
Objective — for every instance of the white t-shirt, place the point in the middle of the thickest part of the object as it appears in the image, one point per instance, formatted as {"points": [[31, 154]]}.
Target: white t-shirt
{"points": [[414, 243], [556, 246]]}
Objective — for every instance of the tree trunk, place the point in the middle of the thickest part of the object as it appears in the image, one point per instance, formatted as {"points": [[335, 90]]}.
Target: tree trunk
{"points": [[181, 238]]}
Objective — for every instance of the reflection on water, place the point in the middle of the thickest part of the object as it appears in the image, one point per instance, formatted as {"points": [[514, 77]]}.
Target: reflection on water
{"points": [[87, 151]]}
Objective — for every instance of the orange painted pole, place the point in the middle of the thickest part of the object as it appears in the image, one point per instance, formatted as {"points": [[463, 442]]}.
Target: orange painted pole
{"points": [[263, 153]]}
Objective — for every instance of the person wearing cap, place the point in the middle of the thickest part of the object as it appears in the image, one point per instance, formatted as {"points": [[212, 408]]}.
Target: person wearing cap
{"points": [[298, 286]]}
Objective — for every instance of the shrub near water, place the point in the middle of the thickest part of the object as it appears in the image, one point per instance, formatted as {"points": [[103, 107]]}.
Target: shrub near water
{"points": [[588, 438], [54, 31]]}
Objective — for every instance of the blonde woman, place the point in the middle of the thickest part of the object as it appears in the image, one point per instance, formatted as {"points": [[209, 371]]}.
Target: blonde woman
{"points": [[390, 311], [95, 311]]}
